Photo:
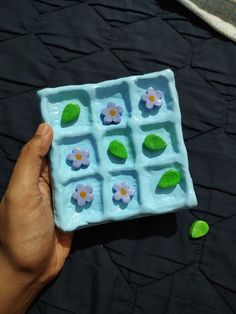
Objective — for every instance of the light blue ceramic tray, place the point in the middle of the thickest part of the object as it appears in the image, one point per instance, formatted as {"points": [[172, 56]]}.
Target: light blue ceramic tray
{"points": [[142, 169]]}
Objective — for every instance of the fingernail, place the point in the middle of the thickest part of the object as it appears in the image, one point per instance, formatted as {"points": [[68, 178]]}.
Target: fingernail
{"points": [[42, 129]]}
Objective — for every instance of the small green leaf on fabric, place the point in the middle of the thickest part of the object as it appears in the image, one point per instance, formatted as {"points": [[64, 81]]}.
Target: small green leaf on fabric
{"points": [[198, 229]]}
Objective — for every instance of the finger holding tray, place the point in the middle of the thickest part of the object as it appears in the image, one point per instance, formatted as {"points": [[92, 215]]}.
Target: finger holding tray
{"points": [[118, 151]]}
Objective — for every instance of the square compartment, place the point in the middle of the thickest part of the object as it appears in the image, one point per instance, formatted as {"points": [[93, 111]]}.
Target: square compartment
{"points": [[124, 136], [65, 146], [118, 94], [57, 103], [167, 132], [158, 83], [142, 169], [152, 195], [70, 214], [118, 207]]}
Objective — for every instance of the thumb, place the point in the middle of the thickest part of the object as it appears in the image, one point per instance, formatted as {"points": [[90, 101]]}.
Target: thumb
{"points": [[28, 166]]}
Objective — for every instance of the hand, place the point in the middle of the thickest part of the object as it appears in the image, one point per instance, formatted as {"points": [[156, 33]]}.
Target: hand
{"points": [[31, 247]]}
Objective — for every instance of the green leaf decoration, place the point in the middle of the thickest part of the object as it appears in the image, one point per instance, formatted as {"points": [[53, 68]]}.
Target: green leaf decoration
{"points": [[118, 149], [154, 142], [198, 229], [169, 179], [70, 113]]}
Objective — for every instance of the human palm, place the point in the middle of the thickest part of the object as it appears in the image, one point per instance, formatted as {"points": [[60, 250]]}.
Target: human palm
{"points": [[29, 240]]}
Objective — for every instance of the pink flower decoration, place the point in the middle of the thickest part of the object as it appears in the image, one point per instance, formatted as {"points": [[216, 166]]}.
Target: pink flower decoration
{"points": [[79, 157], [123, 192], [112, 113], [152, 98], [83, 194]]}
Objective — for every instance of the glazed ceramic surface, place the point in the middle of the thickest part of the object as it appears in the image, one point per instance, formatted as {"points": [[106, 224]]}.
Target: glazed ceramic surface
{"points": [[141, 170]]}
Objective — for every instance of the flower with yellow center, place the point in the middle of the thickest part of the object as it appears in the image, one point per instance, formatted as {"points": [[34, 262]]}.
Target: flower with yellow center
{"points": [[79, 158], [123, 192], [83, 194], [152, 98], [112, 113]]}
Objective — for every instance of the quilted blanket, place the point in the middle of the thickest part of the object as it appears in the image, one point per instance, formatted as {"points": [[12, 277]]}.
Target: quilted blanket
{"points": [[220, 14], [149, 265]]}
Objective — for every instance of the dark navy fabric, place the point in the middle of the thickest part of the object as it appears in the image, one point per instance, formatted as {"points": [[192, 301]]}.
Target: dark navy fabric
{"points": [[148, 265]]}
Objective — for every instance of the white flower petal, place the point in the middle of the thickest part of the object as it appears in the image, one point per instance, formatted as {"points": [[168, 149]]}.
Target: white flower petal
{"points": [[117, 118], [83, 154], [90, 198], [130, 192], [86, 161], [126, 199], [104, 111], [149, 105], [81, 201], [144, 97], [75, 150], [77, 163], [88, 189], [150, 90], [75, 195], [125, 185], [86, 151], [116, 187], [111, 105], [79, 187], [107, 119], [117, 196], [119, 109], [70, 157]]}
